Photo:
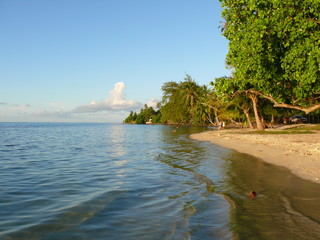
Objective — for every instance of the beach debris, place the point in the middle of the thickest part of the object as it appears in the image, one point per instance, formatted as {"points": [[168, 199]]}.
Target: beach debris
{"points": [[252, 194]]}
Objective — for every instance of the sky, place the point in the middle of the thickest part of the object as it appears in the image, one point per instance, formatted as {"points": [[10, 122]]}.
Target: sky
{"points": [[97, 60]]}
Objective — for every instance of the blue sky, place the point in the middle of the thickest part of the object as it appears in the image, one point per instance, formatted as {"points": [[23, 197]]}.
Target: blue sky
{"points": [[95, 60]]}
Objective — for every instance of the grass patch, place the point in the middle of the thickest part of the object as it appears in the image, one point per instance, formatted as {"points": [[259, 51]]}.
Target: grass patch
{"points": [[280, 132], [298, 129], [308, 128], [290, 129]]}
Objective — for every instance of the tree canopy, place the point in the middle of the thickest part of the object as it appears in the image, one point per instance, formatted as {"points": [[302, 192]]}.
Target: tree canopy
{"points": [[144, 116], [182, 102], [274, 50]]}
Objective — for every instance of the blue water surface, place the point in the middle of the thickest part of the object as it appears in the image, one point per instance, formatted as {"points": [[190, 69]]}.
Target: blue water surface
{"points": [[116, 181]]}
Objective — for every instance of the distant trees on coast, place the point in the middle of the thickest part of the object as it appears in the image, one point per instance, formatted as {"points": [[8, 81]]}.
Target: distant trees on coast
{"points": [[274, 57], [144, 116]]}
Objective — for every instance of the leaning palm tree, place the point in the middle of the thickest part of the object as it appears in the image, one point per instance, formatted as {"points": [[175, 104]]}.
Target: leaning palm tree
{"points": [[214, 106], [173, 106]]}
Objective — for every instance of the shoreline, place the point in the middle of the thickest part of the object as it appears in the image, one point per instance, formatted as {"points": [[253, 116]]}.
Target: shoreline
{"points": [[300, 153]]}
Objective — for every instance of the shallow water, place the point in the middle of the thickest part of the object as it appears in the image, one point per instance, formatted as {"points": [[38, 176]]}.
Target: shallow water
{"points": [[113, 181]]}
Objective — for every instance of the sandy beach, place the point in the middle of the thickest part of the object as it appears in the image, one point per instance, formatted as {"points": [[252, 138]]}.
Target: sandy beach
{"points": [[300, 153]]}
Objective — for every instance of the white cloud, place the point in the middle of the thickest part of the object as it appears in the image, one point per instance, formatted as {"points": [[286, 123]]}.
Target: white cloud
{"points": [[153, 102], [115, 101], [114, 108]]}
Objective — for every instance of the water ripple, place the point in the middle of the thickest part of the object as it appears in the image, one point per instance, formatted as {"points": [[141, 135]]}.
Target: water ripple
{"points": [[112, 181]]}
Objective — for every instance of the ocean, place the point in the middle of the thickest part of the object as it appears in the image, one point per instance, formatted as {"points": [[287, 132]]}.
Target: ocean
{"points": [[116, 181]]}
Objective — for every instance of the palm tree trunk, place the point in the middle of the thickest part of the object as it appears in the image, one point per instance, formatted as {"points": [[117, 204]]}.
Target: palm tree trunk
{"points": [[210, 120], [246, 112], [272, 121], [259, 123], [216, 118]]}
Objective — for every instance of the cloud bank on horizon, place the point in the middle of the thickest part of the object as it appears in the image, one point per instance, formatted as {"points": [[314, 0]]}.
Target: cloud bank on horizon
{"points": [[114, 107], [115, 101]]}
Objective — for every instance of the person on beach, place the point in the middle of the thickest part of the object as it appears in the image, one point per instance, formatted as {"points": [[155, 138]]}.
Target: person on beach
{"points": [[221, 125]]}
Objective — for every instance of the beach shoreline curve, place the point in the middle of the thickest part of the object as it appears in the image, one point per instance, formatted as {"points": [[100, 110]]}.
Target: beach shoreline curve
{"points": [[300, 153]]}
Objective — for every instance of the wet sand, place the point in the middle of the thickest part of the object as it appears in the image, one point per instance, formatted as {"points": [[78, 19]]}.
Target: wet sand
{"points": [[300, 153]]}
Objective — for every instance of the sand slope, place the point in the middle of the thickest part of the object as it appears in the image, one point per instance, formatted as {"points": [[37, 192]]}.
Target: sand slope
{"points": [[300, 153]]}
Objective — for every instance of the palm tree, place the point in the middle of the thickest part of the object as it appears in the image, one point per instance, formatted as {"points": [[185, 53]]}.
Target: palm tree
{"points": [[173, 107], [190, 93]]}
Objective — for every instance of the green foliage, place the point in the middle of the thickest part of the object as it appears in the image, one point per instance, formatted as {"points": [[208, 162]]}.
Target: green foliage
{"points": [[225, 87], [131, 118], [181, 103], [274, 48], [144, 116], [173, 109]]}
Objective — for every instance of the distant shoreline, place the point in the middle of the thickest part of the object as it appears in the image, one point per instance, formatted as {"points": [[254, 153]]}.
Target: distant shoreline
{"points": [[300, 153]]}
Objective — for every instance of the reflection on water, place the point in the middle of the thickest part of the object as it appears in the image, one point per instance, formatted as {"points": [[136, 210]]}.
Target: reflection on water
{"points": [[286, 206], [116, 138], [104, 181]]}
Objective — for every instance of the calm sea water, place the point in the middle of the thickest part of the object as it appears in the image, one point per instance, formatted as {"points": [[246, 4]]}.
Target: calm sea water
{"points": [[114, 181]]}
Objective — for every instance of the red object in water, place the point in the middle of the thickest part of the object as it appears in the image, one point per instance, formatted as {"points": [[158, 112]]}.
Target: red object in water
{"points": [[252, 194]]}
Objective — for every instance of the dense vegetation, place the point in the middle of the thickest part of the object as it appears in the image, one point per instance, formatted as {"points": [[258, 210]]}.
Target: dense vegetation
{"points": [[144, 116], [274, 56], [274, 52]]}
